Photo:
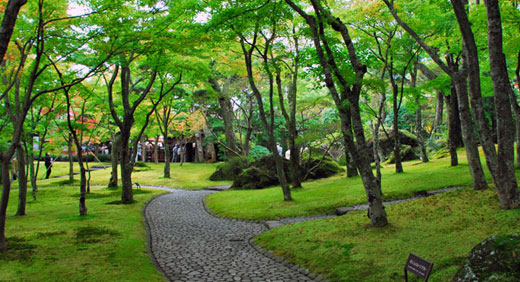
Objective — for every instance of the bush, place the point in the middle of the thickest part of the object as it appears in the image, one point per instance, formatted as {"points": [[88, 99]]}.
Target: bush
{"points": [[230, 169], [258, 152]]}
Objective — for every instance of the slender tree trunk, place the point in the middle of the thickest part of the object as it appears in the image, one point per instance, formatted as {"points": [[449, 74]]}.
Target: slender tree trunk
{"points": [[507, 186], [470, 56], [210, 147], [156, 149], [454, 128], [421, 134], [395, 129], [439, 109], [71, 158], [200, 148], [115, 154], [226, 112], [32, 169], [127, 195], [167, 152], [475, 167], [22, 181]]}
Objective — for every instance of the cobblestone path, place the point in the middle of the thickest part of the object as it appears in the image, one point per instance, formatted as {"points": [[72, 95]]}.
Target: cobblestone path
{"points": [[189, 244]]}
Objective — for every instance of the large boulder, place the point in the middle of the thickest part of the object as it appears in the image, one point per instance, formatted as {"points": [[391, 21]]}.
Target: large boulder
{"points": [[495, 259]]}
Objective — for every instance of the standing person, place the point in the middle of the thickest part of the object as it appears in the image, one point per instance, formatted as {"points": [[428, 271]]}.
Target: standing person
{"points": [[175, 153], [279, 148], [48, 164]]}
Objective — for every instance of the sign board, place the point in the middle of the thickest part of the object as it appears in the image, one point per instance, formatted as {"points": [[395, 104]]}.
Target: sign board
{"points": [[418, 266]]}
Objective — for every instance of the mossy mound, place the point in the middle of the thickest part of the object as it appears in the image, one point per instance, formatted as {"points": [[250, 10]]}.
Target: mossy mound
{"points": [[230, 169], [407, 154], [495, 259], [321, 168], [262, 173]]}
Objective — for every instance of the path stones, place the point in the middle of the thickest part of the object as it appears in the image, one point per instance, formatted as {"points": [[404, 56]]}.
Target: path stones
{"points": [[189, 244]]}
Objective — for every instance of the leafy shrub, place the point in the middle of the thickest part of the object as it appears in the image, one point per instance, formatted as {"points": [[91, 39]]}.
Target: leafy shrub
{"points": [[258, 152], [255, 178]]}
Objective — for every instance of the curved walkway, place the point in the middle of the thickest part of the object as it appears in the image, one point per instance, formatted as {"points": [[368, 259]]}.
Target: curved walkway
{"points": [[190, 244]]}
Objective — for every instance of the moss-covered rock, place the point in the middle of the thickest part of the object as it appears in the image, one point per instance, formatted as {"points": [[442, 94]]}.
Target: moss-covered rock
{"points": [[321, 168], [262, 172], [230, 169], [495, 259]]}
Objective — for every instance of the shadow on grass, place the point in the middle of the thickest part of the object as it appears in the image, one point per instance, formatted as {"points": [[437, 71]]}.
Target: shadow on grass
{"points": [[77, 217], [90, 235], [18, 250]]}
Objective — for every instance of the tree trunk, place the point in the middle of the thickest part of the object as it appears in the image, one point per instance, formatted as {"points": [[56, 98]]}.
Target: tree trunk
{"points": [[167, 152], [6, 183], [351, 165], [71, 159], [507, 186], [8, 23], [156, 149], [32, 169], [475, 166], [395, 128], [439, 108], [127, 196], [210, 147], [454, 128], [22, 181], [115, 154], [200, 148], [226, 112], [471, 62]]}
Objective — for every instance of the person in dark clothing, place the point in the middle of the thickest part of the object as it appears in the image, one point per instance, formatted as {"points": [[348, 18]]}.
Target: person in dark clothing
{"points": [[48, 165]]}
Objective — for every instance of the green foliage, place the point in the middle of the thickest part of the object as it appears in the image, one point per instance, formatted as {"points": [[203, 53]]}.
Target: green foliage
{"points": [[258, 152]]}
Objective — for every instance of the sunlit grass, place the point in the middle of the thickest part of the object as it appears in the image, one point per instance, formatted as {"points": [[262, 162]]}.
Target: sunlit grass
{"points": [[53, 243], [187, 176], [442, 229], [325, 195]]}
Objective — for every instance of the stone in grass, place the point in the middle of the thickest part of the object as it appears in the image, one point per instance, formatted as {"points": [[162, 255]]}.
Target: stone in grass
{"points": [[495, 259]]}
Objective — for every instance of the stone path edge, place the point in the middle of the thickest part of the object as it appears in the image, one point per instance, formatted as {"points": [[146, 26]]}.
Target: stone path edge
{"points": [[263, 252], [149, 236]]}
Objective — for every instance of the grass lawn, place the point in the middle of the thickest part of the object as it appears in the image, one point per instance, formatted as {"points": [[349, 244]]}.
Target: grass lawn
{"points": [[325, 195], [189, 176], [53, 243], [442, 229]]}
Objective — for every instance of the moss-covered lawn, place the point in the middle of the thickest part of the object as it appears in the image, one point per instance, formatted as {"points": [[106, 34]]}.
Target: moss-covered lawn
{"points": [[187, 176], [53, 243], [325, 195], [442, 229]]}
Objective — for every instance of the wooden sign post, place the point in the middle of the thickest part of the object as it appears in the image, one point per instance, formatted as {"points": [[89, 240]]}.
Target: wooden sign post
{"points": [[417, 266]]}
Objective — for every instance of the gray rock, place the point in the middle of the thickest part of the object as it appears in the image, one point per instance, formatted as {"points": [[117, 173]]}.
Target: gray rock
{"points": [[495, 259]]}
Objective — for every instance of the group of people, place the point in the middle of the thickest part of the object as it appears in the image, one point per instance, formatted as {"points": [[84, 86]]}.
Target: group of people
{"points": [[177, 152]]}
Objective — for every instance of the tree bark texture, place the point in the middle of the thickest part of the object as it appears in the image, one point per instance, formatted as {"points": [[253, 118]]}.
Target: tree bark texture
{"points": [[507, 186], [226, 112], [71, 158], [454, 128], [475, 166], [22, 182], [8, 23], [439, 109], [115, 154], [471, 62]]}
